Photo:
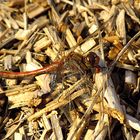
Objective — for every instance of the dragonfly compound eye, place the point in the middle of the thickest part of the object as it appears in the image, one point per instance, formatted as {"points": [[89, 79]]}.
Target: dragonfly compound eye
{"points": [[92, 59]]}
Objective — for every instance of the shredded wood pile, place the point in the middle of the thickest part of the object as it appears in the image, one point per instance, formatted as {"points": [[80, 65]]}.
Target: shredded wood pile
{"points": [[69, 70]]}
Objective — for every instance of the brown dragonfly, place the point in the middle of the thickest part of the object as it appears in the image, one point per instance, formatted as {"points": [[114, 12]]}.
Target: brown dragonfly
{"points": [[91, 60]]}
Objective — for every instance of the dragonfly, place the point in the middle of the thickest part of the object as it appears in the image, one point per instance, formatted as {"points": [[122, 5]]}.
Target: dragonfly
{"points": [[92, 60]]}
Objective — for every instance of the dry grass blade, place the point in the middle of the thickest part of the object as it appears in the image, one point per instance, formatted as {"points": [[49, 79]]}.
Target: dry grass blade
{"points": [[124, 49]]}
